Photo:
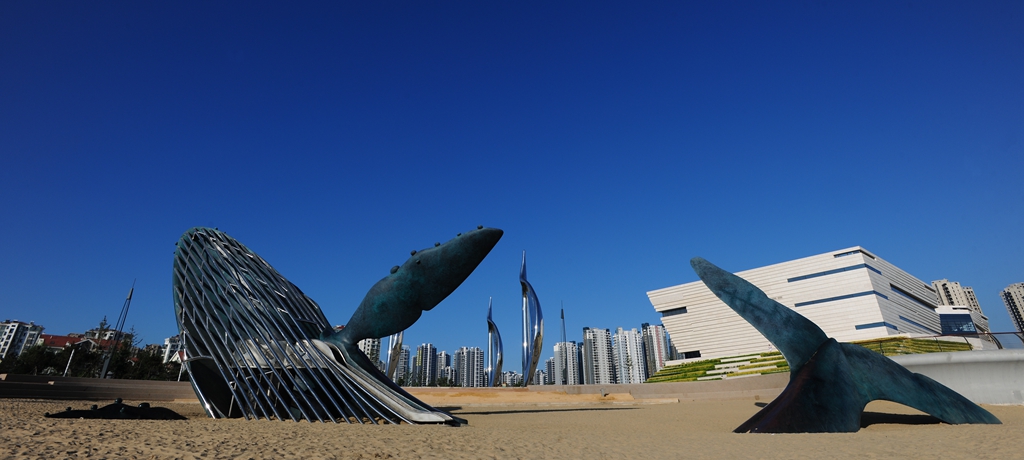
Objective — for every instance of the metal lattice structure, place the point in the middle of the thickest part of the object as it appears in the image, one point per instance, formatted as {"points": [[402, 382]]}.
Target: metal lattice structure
{"points": [[253, 349]]}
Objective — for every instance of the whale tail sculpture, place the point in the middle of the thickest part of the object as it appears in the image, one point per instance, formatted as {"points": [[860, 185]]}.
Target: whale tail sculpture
{"points": [[257, 347], [830, 382]]}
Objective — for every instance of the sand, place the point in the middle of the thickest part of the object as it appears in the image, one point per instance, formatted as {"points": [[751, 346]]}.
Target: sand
{"points": [[616, 428]]}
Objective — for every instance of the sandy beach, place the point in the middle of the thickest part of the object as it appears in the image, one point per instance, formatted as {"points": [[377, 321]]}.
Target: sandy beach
{"points": [[614, 428]]}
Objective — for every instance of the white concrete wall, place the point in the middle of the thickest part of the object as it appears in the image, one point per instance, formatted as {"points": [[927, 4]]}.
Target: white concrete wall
{"points": [[985, 377]]}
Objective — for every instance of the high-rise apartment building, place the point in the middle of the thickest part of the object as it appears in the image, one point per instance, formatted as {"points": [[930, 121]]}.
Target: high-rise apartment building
{"points": [[402, 369], [549, 370], [371, 348], [628, 356], [512, 378], [469, 367], [655, 347], [539, 378], [1013, 297], [598, 365], [16, 337], [566, 364], [851, 294], [426, 365], [446, 374], [952, 294]]}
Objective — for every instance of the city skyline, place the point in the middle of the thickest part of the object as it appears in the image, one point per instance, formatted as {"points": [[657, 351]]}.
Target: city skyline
{"points": [[611, 142]]}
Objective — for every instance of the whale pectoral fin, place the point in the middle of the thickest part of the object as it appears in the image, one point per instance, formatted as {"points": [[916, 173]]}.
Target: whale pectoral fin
{"points": [[795, 336], [882, 378]]}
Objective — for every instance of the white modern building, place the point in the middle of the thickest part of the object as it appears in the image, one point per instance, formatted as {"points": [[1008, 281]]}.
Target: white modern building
{"points": [[16, 337], [628, 355], [598, 362], [851, 294], [1013, 297]]}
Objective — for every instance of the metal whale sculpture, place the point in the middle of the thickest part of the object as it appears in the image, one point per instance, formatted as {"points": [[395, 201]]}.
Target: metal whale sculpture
{"points": [[257, 347], [830, 382]]}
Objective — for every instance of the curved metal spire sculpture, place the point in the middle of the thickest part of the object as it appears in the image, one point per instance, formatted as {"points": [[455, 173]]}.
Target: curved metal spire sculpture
{"points": [[394, 353], [494, 349], [533, 326], [257, 347]]}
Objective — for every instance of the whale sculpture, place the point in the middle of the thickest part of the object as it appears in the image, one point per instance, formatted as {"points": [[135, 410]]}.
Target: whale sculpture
{"points": [[830, 382], [257, 347]]}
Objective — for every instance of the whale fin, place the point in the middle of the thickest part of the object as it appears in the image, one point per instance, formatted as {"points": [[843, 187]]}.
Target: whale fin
{"points": [[879, 377], [830, 382], [795, 336]]}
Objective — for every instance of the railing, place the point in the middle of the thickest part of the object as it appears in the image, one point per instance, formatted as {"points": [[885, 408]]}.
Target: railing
{"points": [[899, 345]]}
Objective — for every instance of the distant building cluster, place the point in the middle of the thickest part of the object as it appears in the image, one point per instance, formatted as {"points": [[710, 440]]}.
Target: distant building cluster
{"points": [[430, 367], [627, 356], [851, 294], [16, 337]]}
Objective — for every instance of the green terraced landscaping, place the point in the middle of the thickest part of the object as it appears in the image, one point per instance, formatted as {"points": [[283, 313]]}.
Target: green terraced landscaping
{"points": [[689, 372], [908, 346]]}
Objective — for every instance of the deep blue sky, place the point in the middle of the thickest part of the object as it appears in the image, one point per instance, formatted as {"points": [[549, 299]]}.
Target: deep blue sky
{"points": [[611, 143]]}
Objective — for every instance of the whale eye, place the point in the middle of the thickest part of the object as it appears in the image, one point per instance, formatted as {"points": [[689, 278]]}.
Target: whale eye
{"points": [[394, 269], [417, 261], [413, 252], [478, 227], [437, 244]]}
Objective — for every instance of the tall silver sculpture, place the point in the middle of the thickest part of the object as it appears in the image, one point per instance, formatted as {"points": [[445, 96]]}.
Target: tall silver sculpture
{"points": [[394, 353], [257, 347], [494, 349], [533, 326]]}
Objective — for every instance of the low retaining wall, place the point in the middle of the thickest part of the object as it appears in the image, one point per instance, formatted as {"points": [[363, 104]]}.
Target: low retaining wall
{"points": [[757, 387], [74, 388], [985, 377]]}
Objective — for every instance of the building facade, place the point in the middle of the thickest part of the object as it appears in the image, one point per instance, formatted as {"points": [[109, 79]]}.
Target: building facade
{"points": [[172, 345], [16, 337], [598, 362], [950, 293], [851, 294], [426, 365], [628, 356], [655, 347], [1013, 298], [371, 348], [469, 367], [566, 365], [402, 370]]}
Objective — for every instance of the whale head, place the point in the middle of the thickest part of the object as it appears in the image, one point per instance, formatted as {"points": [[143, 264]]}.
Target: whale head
{"points": [[428, 277], [431, 274]]}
